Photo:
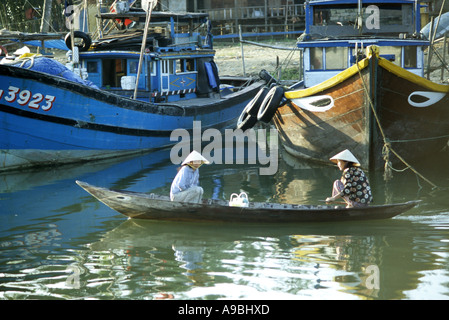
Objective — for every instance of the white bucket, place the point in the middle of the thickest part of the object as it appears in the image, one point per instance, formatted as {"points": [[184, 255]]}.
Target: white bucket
{"points": [[128, 82], [239, 200]]}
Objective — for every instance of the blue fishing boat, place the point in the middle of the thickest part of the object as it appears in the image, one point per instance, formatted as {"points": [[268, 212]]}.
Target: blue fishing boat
{"points": [[363, 88], [51, 114]]}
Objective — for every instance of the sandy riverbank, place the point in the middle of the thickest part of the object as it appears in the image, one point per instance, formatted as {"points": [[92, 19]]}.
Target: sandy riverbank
{"points": [[229, 58], [230, 62]]}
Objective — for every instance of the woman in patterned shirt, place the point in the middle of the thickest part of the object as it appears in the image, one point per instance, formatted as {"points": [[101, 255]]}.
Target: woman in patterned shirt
{"points": [[353, 186]]}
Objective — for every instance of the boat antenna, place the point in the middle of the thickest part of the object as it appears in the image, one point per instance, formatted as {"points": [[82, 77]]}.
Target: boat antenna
{"points": [[150, 6]]}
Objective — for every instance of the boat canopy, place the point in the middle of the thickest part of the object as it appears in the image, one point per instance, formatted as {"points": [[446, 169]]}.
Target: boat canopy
{"points": [[338, 32], [336, 19]]}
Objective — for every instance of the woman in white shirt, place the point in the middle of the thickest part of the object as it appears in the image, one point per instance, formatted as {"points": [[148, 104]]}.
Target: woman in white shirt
{"points": [[185, 187]]}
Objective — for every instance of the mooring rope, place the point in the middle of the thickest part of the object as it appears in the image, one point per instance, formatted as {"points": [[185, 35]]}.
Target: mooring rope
{"points": [[421, 139], [387, 149]]}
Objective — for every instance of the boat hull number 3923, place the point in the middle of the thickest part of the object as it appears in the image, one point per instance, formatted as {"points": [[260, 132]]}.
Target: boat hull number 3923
{"points": [[26, 98]]}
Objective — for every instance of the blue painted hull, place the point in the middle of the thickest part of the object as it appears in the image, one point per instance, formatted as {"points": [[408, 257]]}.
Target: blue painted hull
{"points": [[42, 114]]}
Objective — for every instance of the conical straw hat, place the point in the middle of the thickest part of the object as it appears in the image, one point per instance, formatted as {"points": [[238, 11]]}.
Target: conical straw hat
{"points": [[195, 156], [347, 156]]}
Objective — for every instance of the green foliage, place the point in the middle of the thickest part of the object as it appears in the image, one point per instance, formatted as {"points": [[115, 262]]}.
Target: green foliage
{"points": [[26, 15], [290, 74]]}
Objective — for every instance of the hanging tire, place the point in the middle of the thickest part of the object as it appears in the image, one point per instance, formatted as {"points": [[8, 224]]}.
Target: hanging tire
{"points": [[270, 104], [246, 121], [253, 106], [248, 117], [83, 45]]}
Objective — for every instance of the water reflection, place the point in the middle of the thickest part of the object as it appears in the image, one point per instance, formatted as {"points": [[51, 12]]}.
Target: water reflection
{"points": [[59, 242], [344, 261]]}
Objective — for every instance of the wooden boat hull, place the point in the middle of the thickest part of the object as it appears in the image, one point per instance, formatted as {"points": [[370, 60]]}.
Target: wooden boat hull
{"points": [[47, 119], [149, 206], [318, 135], [412, 116]]}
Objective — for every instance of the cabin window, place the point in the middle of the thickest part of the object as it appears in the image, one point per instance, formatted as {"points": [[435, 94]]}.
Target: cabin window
{"points": [[321, 17], [167, 66], [346, 15], [153, 67], [396, 14], [185, 65], [134, 66], [336, 58], [190, 64], [92, 66], [180, 66], [393, 54], [316, 58], [410, 57]]}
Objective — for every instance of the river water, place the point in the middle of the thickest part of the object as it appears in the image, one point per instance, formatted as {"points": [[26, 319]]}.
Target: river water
{"points": [[58, 242]]}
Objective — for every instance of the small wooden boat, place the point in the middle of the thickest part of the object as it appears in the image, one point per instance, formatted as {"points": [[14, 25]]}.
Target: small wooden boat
{"points": [[150, 206]]}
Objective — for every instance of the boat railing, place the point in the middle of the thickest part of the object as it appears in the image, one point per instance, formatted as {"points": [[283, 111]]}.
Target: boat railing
{"points": [[255, 12]]}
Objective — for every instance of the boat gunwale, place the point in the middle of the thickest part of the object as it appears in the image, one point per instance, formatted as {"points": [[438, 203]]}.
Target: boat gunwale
{"points": [[171, 109], [329, 83], [354, 69]]}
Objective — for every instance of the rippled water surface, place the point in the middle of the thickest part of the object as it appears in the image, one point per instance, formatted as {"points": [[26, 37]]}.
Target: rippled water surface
{"points": [[58, 242]]}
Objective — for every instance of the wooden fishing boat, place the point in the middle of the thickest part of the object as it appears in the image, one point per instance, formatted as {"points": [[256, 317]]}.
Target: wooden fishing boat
{"points": [[363, 88], [398, 111], [155, 207], [102, 106]]}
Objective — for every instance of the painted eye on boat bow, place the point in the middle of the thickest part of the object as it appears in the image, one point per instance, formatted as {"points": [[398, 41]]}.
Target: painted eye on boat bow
{"points": [[315, 104], [422, 99]]}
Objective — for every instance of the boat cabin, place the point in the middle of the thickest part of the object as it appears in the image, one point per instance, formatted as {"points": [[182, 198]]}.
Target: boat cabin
{"points": [[177, 64], [337, 32]]}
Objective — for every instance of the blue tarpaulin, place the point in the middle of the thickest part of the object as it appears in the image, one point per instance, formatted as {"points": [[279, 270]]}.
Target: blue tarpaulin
{"points": [[54, 67], [443, 27], [49, 44]]}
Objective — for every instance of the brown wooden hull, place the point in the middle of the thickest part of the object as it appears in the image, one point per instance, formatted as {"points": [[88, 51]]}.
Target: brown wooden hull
{"points": [[414, 132], [149, 206], [320, 135]]}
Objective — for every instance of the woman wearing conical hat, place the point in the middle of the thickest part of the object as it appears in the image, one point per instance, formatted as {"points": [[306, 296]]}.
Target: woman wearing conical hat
{"points": [[185, 187], [353, 186]]}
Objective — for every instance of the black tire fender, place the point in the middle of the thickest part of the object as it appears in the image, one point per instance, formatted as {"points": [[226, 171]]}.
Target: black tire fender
{"points": [[248, 117], [270, 104], [246, 121], [85, 43], [253, 106]]}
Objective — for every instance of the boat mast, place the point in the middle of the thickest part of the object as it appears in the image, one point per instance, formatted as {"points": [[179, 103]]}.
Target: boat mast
{"points": [[149, 9], [46, 15], [359, 22]]}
